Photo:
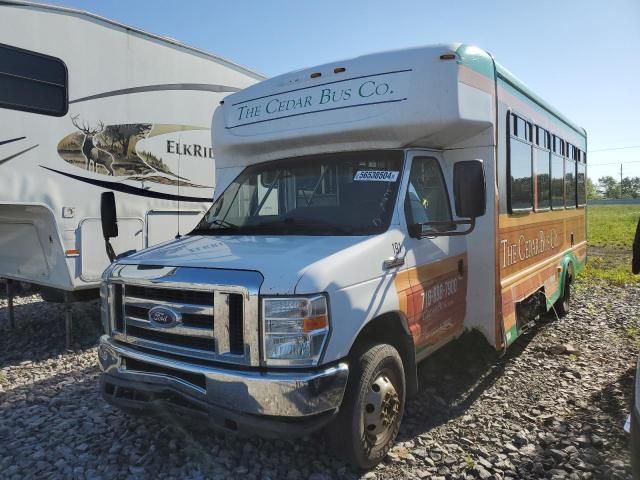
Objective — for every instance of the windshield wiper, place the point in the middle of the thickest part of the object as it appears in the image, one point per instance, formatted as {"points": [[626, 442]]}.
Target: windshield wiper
{"points": [[221, 225], [224, 223]]}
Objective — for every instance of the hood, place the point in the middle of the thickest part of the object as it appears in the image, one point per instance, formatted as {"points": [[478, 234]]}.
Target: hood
{"points": [[282, 260]]}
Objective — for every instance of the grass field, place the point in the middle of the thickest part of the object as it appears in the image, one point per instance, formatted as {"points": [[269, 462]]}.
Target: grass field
{"points": [[612, 226], [610, 233]]}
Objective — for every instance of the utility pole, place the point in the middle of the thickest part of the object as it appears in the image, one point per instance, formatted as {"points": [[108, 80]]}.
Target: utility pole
{"points": [[621, 180]]}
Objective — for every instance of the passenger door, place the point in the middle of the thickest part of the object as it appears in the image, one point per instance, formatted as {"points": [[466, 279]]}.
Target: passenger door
{"points": [[436, 265]]}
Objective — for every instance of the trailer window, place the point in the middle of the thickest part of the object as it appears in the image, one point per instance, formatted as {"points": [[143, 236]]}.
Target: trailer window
{"points": [[557, 182], [32, 82], [427, 199], [543, 179]]}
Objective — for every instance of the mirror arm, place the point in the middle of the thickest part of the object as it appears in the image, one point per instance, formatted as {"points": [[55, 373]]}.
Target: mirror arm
{"points": [[110, 252]]}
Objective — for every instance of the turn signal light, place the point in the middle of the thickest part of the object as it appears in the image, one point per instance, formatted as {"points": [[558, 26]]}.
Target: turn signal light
{"points": [[317, 322], [448, 56]]}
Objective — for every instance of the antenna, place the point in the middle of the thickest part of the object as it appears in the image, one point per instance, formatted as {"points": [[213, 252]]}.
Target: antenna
{"points": [[179, 173]]}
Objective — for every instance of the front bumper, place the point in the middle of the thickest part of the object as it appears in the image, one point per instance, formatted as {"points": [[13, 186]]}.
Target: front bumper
{"points": [[273, 402]]}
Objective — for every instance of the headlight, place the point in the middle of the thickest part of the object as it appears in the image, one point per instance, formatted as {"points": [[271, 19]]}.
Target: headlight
{"points": [[294, 329]]}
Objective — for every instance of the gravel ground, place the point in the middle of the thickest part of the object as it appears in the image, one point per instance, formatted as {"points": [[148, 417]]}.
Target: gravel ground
{"points": [[552, 407]]}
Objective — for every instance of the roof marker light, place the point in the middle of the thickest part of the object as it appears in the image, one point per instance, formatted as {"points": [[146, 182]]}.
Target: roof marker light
{"points": [[339, 70], [315, 75], [448, 56]]}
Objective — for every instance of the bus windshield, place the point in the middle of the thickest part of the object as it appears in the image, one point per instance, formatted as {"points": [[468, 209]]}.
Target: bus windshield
{"points": [[337, 194]]}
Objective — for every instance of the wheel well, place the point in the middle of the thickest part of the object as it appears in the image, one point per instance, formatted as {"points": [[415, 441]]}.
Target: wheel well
{"points": [[392, 328]]}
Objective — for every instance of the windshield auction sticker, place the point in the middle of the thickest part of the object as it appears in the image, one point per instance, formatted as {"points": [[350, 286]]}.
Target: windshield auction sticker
{"points": [[375, 176]]}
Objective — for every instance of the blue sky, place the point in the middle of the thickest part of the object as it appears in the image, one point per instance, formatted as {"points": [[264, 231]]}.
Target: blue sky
{"points": [[582, 56]]}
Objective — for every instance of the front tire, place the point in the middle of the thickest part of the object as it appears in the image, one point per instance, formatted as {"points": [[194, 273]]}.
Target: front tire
{"points": [[369, 419]]}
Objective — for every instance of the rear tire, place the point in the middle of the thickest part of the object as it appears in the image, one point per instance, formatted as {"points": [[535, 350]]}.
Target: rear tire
{"points": [[369, 419], [563, 304]]}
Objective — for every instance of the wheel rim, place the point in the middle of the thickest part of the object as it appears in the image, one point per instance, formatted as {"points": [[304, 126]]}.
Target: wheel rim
{"points": [[381, 409]]}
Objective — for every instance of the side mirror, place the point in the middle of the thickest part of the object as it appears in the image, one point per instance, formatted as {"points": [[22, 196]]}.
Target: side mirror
{"points": [[635, 263], [108, 215], [469, 188]]}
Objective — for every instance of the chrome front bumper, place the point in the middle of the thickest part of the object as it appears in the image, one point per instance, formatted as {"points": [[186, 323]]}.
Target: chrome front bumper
{"points": [[288, 395]]}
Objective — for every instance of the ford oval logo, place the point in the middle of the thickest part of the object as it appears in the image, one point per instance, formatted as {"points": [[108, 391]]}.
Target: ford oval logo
{"points": [[163, 317]]}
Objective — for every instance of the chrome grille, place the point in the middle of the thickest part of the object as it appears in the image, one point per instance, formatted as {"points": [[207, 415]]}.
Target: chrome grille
{"points": [[211, 328], [217, 312], [193, 336]]}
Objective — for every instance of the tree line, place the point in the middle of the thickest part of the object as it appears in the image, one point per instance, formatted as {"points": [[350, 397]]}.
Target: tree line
{"points": [[609, 187]]}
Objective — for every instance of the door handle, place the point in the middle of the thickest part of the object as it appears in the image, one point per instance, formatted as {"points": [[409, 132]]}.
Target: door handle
{"points": [[393, 262], [461, 267]]}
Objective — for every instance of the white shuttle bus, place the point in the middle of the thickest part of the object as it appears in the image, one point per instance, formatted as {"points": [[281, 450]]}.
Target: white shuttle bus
{"points": [[366, 213], [88, 105]]}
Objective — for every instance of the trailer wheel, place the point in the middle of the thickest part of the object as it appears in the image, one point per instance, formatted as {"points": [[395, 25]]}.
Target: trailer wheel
{"points": [[369, 419], [563, 304]]}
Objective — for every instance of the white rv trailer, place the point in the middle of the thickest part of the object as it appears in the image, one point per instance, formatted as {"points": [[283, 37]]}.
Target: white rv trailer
{"points": [[367, 212], [137, 123]]}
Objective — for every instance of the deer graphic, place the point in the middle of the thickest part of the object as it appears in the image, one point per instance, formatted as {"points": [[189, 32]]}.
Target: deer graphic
{"points": [[94, 155]]}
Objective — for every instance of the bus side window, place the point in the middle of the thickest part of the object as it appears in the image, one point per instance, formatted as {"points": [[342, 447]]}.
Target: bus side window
{"points": [[557, 173], [557, 182], [541, 163], [33, 82], [570, 177], [520, 168]]}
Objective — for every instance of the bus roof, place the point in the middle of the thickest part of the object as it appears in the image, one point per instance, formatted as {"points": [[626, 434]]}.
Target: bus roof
{"points": [[384, 100], [89, 15], [483, 62]]}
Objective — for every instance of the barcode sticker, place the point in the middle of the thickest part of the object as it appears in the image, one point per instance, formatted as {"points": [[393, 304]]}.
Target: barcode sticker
{"points": [[375, 176]]}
